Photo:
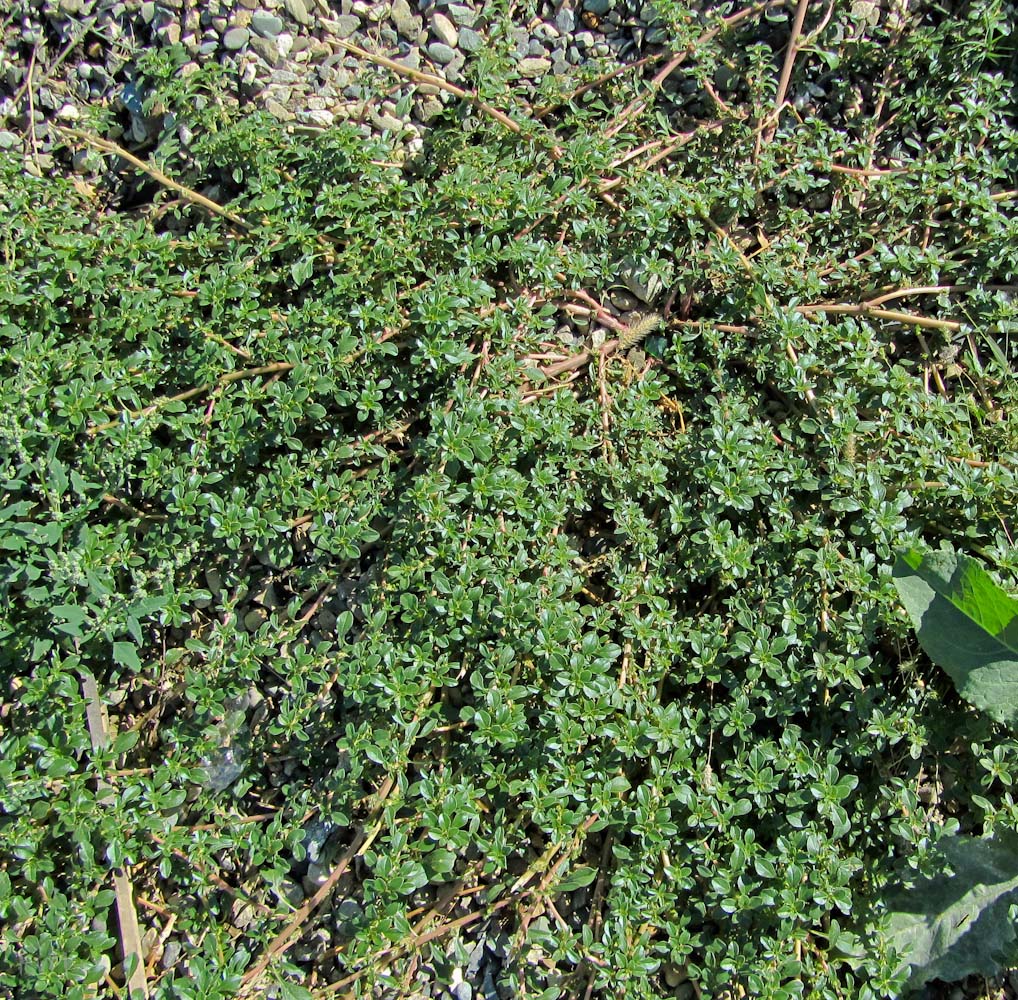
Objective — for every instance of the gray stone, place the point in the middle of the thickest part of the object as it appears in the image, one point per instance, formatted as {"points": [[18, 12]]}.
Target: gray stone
{"points": [[565, 21], [297, 9], [85, 161], [532, 67], [169, 34], [464, 16], [441, 53], [407, 23], [470, 40], [444, 30], [430, 108], [254, 619], [267, 49], [475, 961], [290, 891], [387, 123], [412, 60], [345, 25], [597, 6], [171, 954], [236, 38], [463, 991], [453, 72], [148, 11], [537, 49], [323, 119], [265, 24], [278, 111], [8, 140], [316, 877]]}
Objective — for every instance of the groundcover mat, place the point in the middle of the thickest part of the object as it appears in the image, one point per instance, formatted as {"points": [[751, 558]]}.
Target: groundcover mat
{"points": [[459, 560]]}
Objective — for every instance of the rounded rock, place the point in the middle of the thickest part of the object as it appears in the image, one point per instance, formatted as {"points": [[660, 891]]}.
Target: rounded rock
{"points": [[254, 620], [443, 29], [345, 25], [470, 40], [265, 24], [236, 38], [532, 67], [441, 53], [298, 10], [407, 23]]}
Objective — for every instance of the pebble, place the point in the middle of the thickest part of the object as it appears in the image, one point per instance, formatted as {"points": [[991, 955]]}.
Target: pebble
{"points": [[255, 618], [297, 9], [407, 23], [267, 49], [171, 954], [169, 34], [565, 21], [470, 40], [388, 123], [8, 140], [533, 67], [235, 38], [265, 24], [320, 117], [291, 892], [463, 16], [441, 52], [345, 25], [444, 30]]}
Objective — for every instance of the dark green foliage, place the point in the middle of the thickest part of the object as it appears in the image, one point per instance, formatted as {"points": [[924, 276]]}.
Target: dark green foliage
{"points": [[666, 648]]}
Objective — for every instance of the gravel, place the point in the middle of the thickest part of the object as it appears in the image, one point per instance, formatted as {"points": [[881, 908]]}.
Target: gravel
{"points": [[287, 53]]}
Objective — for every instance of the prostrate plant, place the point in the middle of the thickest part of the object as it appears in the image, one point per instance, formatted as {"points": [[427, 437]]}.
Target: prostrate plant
{"points": [[424, 615]]}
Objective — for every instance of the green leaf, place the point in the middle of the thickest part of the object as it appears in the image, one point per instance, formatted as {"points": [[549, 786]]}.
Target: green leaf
{"points": [[955, 925], [291, 991], [126, 655], [301, 270], [125, 741], [577, 879], [967, 625]]}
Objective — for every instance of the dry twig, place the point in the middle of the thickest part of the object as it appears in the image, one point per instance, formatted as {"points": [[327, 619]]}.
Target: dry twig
{"points": [[130, 936]]}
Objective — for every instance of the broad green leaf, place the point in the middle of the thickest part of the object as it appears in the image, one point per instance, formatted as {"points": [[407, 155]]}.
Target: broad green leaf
{"points": [[292, 991], [967, 625], [956, 925], [577, 879], [126, 654]]}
